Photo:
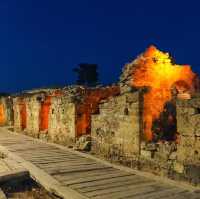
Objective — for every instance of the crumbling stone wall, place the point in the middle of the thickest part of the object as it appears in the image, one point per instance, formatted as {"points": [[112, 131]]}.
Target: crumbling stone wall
{"points": [[87, 103], [32, 121], [19, 108], [116, 129], [6, 110], [62, 120], [26, 114], [188, 127]]}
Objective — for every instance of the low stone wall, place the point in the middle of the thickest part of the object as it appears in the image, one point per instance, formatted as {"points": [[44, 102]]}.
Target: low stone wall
{"points": [[116, 129]]}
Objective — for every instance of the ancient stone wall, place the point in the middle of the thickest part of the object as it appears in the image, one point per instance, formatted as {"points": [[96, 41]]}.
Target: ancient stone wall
{"points": [[116, 129], [19, 108], [32, 114], [6, 110], [188, 127], [61, 127], [88, 103]]}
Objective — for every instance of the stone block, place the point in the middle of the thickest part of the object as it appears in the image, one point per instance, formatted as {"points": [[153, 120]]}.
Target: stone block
{"points": [[146, 154], [178, 167], [173, 156]]}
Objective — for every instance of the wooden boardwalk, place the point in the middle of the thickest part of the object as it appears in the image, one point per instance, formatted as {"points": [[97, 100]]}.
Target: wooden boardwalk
{"points": [[73, 175]]}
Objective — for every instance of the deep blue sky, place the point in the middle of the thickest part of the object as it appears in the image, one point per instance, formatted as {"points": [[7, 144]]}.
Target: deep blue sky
{"points": [[42, 40]]}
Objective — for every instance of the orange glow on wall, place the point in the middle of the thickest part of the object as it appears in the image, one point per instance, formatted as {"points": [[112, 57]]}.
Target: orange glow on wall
{"points": [[2, 115], [44, 113], [89, 106], [156, 71]]}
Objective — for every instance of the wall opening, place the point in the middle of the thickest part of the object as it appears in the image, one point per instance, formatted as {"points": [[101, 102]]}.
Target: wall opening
{"points": [[165, 127], [126, 111]]}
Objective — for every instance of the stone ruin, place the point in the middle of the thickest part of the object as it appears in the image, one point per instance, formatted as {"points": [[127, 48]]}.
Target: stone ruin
{"points": [[109, 122]]}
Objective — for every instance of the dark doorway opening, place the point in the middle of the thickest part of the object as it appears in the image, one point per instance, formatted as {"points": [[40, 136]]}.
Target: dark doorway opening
{"points": [[165, 127]]}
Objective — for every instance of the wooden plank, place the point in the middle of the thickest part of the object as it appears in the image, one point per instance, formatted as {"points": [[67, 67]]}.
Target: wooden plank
{"points": [[45, 148], [96, 178], [164, 192], [49, 183], [184, 195], [65, 164], [54, 171], [45, 160], [67, 167], [136, 181], [48, 153], [122, 189], [123, 192], [101, 182], [44, 154], [40, 158], [41, 162], [25, 147], [69, 176]]}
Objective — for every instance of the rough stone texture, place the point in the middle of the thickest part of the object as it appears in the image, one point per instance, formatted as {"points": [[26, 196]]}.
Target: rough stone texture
{"points": [[6, 110], [188, 126], [62, 120], [17, 118], [61, 115], [87, 103], [32, 121], [126, 78], [116, 129]]}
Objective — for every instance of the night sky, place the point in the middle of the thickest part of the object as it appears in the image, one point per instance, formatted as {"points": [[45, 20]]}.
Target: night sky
{"points": [[42, 40]]}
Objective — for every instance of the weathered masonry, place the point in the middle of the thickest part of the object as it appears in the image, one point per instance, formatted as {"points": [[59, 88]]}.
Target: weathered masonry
{"points": [[112, 117], [188, 127], [116, 130], [58, 115], [6, 110]]}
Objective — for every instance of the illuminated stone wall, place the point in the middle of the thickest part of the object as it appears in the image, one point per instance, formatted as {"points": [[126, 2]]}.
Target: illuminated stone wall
{"points": [[6, 110], [61, 116], [88, 103], [116, 129]]}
